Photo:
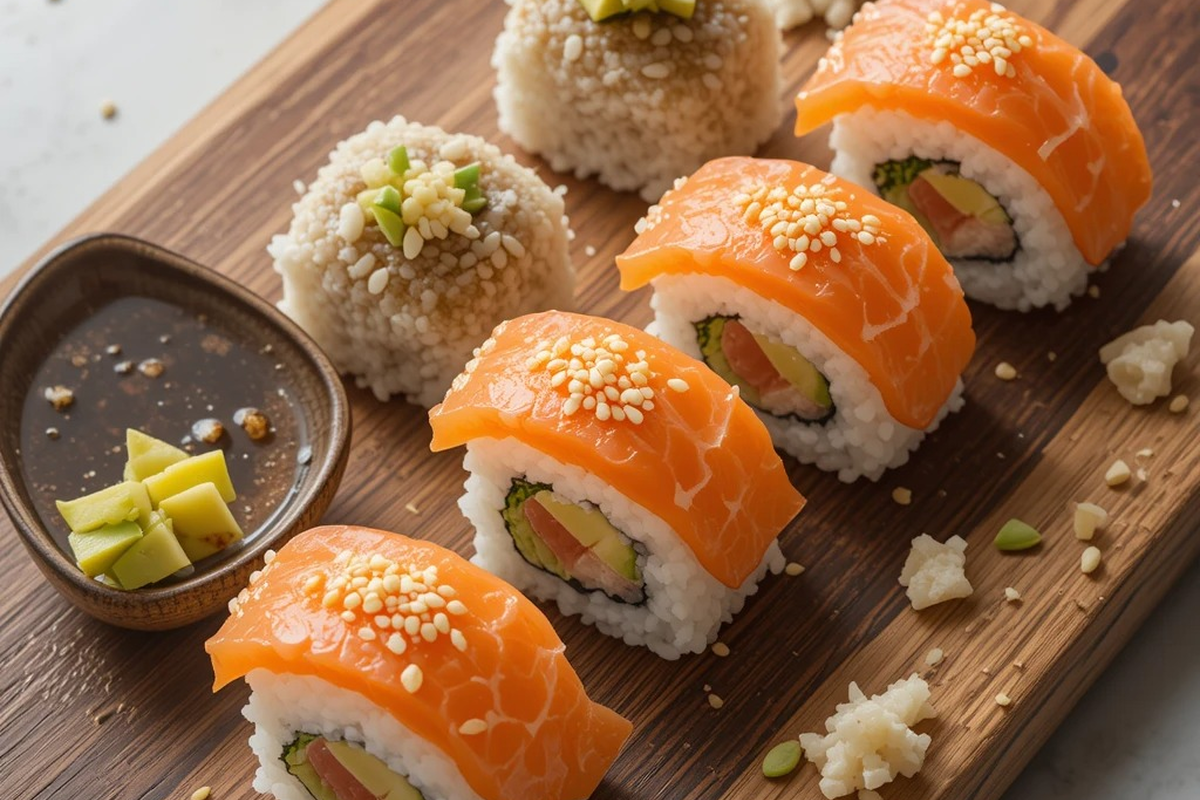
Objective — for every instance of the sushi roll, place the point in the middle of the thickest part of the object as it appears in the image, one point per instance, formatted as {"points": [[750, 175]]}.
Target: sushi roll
{"points": [[830, 310], [1014, 150], [617, 477], [384, 667], [638, 92], [412, 244]]}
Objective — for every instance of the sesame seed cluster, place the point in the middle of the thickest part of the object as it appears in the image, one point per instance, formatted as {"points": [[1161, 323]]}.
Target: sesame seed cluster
{"points": [[807, 220], [398, 605], [982, 37], [598, 376]]}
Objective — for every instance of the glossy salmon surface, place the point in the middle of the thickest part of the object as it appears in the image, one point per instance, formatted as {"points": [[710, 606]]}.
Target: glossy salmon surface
{"points": [[699, 458], [1055, 114], [894, 305], [506, 666]]}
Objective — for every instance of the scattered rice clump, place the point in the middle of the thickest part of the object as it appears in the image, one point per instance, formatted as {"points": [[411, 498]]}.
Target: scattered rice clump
{"points": [[869, 740], [793, 13], [935, 572], [638, 99], [1140, 362], [403, 319]]}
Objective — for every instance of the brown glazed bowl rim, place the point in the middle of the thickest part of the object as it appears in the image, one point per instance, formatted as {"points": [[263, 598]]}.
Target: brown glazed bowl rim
{"points": [[159, 606]]}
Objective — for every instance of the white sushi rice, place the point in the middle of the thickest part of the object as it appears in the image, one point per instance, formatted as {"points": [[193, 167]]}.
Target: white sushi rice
{"points": [[283, 706], [1048, 268], [638, 99], [862, 438], [401, 325], [685, 606]]}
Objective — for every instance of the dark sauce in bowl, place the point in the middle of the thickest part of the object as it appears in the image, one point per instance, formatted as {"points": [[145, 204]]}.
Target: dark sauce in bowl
{"points": [[139, 362]]}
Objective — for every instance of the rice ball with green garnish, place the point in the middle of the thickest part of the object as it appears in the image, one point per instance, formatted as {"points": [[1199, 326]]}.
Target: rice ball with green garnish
{"points": [[638, 98], [410, 246]]}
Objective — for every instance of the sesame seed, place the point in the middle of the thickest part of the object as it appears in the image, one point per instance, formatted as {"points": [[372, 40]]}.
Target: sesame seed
{"points": [[472, 727], [202, 793], [412, 678], [108, 109], [1006, 371], [981, 37], [1179, 404], [715, 701], [934, 657], [1093, 291], [573, 48], [793, 568], [902, 496], [1090, 560], [720, 649], [378, 281], [657, 70], [1117, 474]]}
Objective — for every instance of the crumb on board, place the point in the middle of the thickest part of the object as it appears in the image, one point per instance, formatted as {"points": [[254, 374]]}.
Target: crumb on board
{"points": [[1179, 404], [1145, 452], [934, 657], [1090, 560], [108, 109], [589, 251], [715, 701], [412, 508], [1006, 371], [1018, 665], [59, 396], [720, 649], [1051, 356], [1117, 474], [1088, 519], [202, 793], [793, 568], [1012, 595], [902, 496], [1003, 700], [1093, 291], [1142, 475]]}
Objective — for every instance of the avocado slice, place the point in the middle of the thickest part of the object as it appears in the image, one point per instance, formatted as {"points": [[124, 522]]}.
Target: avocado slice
{"points": [[205, 468], [796, 370], [201, 521], [967, 196], [296, 759], [124, 502], [600, 10], [153, 557], [528, 544], [684, 9], [592, 529], [708, 336], [96, 550], [375, 776], [148, 456]]}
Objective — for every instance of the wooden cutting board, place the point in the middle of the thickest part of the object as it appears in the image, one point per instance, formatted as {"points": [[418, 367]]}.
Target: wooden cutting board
{"points": [[91, 711]]}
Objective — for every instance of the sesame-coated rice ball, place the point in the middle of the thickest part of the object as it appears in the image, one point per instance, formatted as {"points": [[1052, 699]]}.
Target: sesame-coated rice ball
{"points": [[403, 317], [638, 99]]}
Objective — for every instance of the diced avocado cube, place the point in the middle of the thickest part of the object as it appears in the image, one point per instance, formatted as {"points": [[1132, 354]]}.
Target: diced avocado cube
{"points": [[680, 8], [202, 522], [600, 10], [205, 468], [465, 177], [124, 502], [148, 456], [96, 550], [153, 557]]}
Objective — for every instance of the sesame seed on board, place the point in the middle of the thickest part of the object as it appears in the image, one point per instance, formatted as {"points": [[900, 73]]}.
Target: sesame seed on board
{"points": [[807, 220], [598, 376]]}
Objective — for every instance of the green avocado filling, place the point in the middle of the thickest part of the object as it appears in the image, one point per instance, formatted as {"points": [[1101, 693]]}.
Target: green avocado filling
{"points": [[806, 397], [600, 10], [353, 764], [964, 220], [587, 551]]}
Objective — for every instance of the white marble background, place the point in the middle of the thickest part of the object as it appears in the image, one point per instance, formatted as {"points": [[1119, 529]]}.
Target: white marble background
{"points": [[1134, 736]]}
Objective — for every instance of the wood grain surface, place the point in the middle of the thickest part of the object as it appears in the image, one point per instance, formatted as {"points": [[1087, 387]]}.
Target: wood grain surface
{"points": [[87, 710]]}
